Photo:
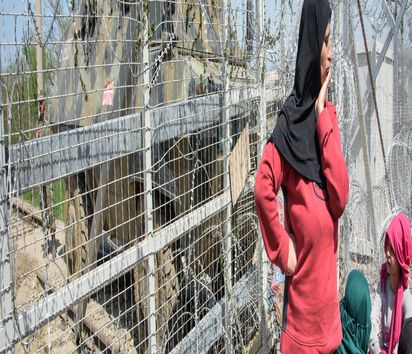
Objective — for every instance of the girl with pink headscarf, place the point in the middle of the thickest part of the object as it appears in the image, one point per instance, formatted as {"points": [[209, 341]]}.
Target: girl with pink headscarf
{"points": [[393, 302]]}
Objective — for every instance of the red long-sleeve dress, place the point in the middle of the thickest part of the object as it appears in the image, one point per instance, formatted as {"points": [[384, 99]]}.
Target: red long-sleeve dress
{"points": [[311, 318]]}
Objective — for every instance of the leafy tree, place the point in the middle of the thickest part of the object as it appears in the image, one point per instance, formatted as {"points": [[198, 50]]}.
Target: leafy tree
{"points": [[20, 93], [20, 106]]}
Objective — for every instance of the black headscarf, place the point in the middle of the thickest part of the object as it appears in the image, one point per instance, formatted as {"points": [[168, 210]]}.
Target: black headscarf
{"points": [[295, 133]]}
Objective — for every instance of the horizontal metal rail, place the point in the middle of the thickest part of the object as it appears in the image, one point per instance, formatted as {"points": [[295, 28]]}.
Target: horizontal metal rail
{"points": [[53, 157], [47, 309], [211, 327]]}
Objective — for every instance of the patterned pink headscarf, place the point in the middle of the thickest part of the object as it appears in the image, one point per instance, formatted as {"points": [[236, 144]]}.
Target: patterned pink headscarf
{"points": [[399, 234]]}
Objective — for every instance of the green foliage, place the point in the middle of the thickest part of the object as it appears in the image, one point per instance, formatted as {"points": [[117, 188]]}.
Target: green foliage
{"points": [[59, 191], [145, 11], [20, 110], [21, 96], [151, 30], [84, 89], [76, 56], [188, 20], [212, 10]]}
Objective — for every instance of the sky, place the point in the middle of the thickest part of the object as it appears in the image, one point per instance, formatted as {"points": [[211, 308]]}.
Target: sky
{"points": [[14, 21]]}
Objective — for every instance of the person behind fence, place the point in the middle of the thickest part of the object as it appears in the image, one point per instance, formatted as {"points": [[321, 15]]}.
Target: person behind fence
{"points": [[392, 304], [355, 314], [304, 157]]}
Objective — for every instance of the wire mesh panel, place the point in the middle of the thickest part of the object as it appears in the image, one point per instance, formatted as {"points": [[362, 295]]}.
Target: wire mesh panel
{"points": [[131, 132], [118, 122]]}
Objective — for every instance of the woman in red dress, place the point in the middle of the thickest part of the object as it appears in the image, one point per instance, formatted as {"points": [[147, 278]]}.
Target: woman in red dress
{"points": [[304, 157]]}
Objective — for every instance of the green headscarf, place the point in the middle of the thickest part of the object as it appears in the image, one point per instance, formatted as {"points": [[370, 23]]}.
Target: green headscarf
{"points": [[355, 313]]}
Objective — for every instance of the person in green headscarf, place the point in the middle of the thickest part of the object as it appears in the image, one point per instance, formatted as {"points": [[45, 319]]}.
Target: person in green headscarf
{"points": [[355, 313]]}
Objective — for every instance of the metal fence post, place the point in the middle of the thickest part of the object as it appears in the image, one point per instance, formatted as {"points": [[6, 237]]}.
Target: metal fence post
{"points": [[6, 304], [362, 127], [49, 227], [396, 118], [148, 187], [262, 73], [262, 267], [227, 226]]}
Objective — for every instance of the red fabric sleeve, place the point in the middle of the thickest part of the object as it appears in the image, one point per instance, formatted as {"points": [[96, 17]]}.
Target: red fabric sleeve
{"points": [[268, 181], [333, 161]]}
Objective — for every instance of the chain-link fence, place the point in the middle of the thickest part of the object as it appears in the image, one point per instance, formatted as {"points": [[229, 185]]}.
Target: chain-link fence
{"points": [[131, 134], [374, 41]]}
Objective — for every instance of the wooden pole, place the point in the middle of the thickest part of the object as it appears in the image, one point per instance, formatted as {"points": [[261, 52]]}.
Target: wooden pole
{"points": [[49, 225]]}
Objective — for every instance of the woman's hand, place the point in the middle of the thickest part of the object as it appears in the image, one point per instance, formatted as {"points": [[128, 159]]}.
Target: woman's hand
{"points": [[292, 260], [323, 93]]}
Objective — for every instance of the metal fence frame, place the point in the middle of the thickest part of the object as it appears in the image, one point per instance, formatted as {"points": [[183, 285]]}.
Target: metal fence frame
{"points": [[68, 152], [40, 162], [122, 143]]}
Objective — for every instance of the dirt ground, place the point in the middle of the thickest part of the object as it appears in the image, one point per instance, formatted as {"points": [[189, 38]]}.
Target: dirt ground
{"points": [[55, 336], [58, 336]]}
